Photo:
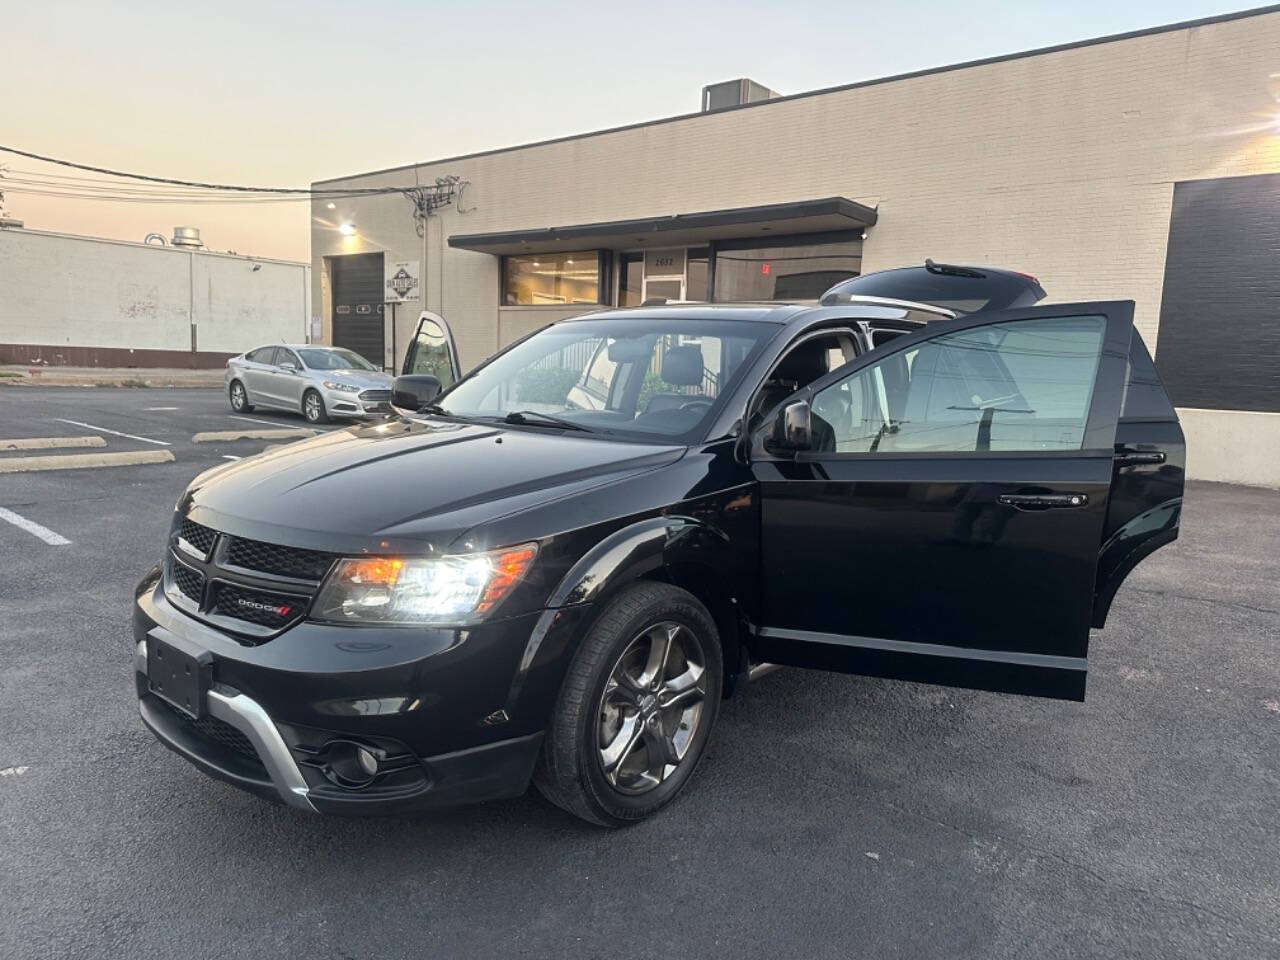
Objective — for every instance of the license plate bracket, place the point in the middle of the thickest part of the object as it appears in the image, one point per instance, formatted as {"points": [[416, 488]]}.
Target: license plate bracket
{"points": [[179, 673]]}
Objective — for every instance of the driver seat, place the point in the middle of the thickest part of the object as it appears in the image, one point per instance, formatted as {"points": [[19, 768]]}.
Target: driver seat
{"points": [[682, 366]]}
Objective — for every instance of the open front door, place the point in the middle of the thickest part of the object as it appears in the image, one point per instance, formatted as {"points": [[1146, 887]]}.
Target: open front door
{"points": [[941, 519], [433, 350]]}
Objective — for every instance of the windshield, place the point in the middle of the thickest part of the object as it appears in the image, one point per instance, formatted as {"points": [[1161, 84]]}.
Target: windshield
{"points": [[335, 359], [652, 377]]}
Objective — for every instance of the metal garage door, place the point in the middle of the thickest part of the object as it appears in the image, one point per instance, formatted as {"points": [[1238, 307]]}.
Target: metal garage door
{"points": [[357, 305]]}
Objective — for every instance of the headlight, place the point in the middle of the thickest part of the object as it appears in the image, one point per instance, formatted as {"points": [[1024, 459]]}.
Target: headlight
{"points": [[410, 590], [344, 387]]}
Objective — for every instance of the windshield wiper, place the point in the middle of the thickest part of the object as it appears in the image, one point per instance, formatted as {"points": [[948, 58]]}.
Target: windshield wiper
{"points": [[534, 418]]}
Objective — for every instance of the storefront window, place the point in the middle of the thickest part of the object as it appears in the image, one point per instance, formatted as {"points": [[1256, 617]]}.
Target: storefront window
{"points": [[695, 286], [785, 271], [548, 278]]}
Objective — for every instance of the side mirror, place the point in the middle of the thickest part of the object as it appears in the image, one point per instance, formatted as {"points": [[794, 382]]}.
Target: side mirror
{"points": [[792, 427], [413, 391], [289, 367]]}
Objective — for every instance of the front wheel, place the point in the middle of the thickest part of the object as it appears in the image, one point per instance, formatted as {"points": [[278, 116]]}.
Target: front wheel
{"points": [[240, 398], [636, 709], [313, 408]]}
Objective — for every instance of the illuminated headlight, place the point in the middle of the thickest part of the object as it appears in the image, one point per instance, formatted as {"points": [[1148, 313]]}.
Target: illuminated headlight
{"points": [[409, 590], [344, 387]]}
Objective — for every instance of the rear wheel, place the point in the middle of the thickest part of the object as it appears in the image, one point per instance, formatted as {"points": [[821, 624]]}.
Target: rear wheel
{"points": [[313, 407], [636, 709], [240, 398]]}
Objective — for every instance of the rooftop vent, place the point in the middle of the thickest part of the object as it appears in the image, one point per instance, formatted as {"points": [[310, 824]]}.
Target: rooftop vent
{"points": [[734, 93], [187, 237]]}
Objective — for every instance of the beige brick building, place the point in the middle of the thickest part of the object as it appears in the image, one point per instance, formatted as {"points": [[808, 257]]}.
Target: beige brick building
{"points": [[1144, 166]]}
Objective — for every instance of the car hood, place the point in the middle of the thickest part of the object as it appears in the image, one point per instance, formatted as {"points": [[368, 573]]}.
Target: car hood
{"points": [[408, 485], [364, 379]]}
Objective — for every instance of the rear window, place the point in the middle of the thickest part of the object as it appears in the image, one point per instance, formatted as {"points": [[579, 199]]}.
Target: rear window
{"points": [[963, 293]]}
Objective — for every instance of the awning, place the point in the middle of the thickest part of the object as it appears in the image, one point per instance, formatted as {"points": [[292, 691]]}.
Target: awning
{"points": [[828, 215]]}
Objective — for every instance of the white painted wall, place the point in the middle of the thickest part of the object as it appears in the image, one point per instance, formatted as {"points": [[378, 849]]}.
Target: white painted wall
{"points": [[58, 289], [1061, 164]]}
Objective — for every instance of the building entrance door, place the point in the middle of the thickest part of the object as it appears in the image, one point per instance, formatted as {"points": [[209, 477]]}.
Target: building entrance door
{"points": [[664, 274]]}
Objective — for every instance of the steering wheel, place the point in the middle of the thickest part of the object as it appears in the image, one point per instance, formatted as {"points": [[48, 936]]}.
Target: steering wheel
{"points": [[696, 404]]}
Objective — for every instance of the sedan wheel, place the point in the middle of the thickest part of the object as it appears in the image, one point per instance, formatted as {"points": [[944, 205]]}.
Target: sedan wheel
{"points": [[636, 707], [239, 398], [313, 408]]}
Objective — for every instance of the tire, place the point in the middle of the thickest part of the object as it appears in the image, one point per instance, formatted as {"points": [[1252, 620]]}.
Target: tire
{"points": [[239, 397], [313, 407], [593, 709]]}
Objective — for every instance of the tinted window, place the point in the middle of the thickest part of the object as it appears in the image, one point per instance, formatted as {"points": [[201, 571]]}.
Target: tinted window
{"points": [[285, 355], [1012, 386], [431, 353], [261, 355]]}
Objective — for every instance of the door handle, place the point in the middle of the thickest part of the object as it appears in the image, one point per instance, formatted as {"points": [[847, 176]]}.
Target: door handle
{"points": [[1131, 456], [1042, 501]]}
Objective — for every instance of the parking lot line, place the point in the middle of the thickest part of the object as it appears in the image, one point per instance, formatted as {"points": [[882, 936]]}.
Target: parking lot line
{"points": [[236, 416], [33, 528], [154, 409], [90, 426], [227, 456]]}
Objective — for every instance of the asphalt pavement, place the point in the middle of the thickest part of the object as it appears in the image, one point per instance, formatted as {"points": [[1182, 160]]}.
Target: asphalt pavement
{"points": [[833, 816]]}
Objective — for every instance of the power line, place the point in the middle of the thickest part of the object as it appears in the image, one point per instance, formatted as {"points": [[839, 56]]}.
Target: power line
{"points": [[306, 191]]}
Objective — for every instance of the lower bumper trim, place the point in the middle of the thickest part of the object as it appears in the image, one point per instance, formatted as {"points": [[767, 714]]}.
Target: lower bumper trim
{"points": [[246, 715]]}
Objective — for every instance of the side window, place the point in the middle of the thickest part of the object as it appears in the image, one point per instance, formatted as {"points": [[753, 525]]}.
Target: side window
{"points": [[285, 355], [261, 355], [431, 353], [1021, 386], [271, 355]]}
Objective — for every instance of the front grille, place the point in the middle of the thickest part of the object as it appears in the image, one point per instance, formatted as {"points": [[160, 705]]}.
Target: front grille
{"points": [[198, 535], [278, 560], [259, 607], [189, 582], [376, 396]]}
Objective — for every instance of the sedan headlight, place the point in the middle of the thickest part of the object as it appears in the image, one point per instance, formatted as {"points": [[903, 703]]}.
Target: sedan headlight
{"points": [[344, 387], [453, 589]]}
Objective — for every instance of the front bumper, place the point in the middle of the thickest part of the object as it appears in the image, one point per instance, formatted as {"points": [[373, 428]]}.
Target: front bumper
{"points": [[459, 714], [342, 403]]}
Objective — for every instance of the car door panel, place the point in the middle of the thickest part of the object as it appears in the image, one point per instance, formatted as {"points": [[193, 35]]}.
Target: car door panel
{"points": [[288, 383], [1150, 468], [970, 567], [258, 376]]}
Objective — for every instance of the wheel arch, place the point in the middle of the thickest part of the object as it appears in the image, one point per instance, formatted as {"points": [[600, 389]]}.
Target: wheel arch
{"points": [[683, 551]]}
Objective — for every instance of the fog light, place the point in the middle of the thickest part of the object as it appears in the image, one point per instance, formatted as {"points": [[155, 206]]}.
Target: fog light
{"points": [[368, 762], [349, 764]]}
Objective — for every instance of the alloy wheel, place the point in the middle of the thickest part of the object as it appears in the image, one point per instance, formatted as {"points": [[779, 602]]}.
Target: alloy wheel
{"points": [[237, 397], [651, 707], [313, 407]]}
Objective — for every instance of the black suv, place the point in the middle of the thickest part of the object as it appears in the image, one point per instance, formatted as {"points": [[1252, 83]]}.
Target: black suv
{"points": [[555, 569]]}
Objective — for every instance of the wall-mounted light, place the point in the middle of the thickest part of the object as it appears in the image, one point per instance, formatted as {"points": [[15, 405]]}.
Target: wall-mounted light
{"points": [[331, 205], [347, 230]]}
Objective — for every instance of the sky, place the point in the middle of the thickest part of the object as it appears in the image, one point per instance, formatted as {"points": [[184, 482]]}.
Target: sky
{"points": [[283, 94]]}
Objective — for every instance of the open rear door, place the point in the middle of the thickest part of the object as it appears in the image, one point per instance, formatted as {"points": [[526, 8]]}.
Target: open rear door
{"points": [[944, 522], [433, 350]]}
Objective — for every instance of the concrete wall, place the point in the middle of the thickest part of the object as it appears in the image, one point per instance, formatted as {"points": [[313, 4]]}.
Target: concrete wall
{"points": [[1061, 164], [81, 300]]}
